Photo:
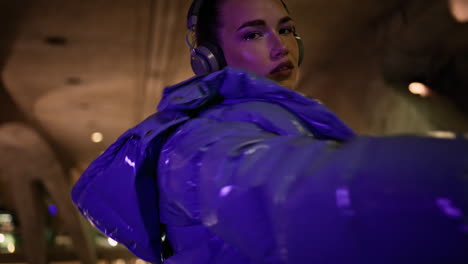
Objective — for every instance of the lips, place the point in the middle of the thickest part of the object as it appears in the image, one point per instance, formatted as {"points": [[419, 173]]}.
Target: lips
{"points": [[283, 68]]}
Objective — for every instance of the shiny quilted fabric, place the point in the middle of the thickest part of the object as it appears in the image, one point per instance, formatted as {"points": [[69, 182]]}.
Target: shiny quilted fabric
{"points": [[241, 170]]}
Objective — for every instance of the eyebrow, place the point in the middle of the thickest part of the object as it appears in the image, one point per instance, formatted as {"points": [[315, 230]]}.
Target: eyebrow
{"points": [[260, 22]]}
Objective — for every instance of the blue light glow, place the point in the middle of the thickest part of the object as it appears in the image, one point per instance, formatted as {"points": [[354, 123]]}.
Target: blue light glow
{"points": [[52, 209]]}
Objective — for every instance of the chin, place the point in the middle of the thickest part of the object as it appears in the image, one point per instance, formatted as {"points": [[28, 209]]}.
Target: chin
{"points": [[288, 80]]}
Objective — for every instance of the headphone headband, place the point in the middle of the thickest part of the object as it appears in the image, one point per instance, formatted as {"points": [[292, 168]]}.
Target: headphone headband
{"points": [[192, 16], [194, 11]]}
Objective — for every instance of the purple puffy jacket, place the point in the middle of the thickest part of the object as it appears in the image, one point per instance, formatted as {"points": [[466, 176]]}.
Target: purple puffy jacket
{"points": [[238, 169]]}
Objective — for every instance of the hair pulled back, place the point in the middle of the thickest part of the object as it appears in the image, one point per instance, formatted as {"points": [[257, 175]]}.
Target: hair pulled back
{"points": [[209, 23]]}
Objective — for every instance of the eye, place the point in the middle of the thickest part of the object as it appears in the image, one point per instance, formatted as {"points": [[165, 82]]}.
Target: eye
{"points": [[252, 36], [287, 30]]}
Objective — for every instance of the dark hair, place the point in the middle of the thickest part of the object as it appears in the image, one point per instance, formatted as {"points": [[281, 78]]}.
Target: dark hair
{"points": [[208, 23]]}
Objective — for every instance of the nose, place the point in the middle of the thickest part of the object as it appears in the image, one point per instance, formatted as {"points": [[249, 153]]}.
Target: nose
{"points": [[278, 48]]}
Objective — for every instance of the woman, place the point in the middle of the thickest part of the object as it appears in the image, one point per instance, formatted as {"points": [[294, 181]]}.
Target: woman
{"points": [[241, 169]]}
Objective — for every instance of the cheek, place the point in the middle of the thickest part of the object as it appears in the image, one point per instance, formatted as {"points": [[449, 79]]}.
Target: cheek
{"points": [[293, 49], [253, 57]]}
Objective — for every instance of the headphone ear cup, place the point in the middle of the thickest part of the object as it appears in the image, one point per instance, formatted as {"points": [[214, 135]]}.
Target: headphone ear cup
{"points": [[217, 53], [300, 45], [207, 58], [199, 60]]}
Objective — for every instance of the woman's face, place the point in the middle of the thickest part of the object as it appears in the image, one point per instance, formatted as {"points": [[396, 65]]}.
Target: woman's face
{"points": [[257, 35]]}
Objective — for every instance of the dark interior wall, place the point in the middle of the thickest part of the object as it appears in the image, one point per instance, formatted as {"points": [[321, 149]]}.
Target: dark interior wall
{"points": [[10, 19], [9, 111], [11, 15], [427, 45], [366, 80]]}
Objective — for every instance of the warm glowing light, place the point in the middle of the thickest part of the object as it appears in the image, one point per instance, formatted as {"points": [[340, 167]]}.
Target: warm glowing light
{"points": [[2, 238], [119, 261], [419, 89], [443, 134], [11, 248], [140, 261], [459, 9], [62, 240], [97, 137], [112, 242], [5, 218], [52, 209]]}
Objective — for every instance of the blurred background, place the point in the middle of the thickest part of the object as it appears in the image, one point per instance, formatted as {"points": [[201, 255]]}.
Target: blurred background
{"points": [[75, 74]]}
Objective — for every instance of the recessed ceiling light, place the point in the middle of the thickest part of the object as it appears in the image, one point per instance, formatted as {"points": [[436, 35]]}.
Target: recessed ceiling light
{"points": [[419, 89], [97, 137], [56, 40], [73, 80]]}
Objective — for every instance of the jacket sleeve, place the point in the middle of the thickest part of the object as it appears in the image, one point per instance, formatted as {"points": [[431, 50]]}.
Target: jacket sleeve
{"points": [[117, 193], [297, 199]]}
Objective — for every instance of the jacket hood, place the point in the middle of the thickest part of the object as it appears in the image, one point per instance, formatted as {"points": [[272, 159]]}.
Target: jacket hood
{"points": [[235, 84]]}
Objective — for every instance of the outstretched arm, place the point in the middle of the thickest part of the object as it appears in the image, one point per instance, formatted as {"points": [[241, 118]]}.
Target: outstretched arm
{"points": [[296, 199]]}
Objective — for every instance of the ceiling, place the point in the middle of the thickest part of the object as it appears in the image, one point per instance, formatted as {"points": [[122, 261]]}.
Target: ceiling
{"points": [[71, 68], [79, 67]]}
